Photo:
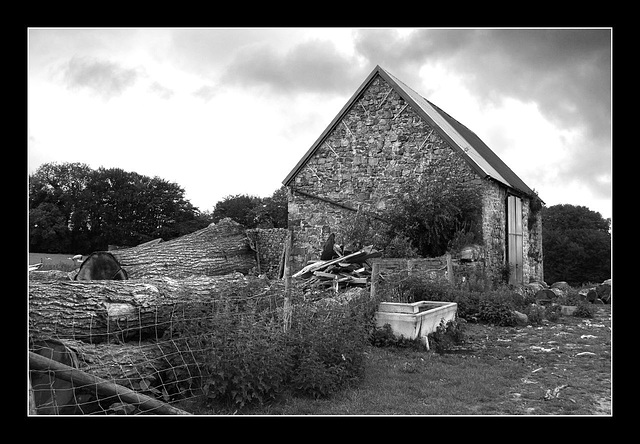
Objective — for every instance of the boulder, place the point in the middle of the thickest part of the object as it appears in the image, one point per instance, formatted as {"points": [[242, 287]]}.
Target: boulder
{"points": [[561, 288], [560, 284], [545, 296], [603, 291], [558, 292], [536, 286], [521, 318], [588, 294]]}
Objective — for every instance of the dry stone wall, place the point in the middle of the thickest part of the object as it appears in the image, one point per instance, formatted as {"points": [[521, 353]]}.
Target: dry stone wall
{"points": [[269, 246]]}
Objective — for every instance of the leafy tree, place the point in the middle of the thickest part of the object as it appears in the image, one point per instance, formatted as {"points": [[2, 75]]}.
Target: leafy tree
{"points": [[48, 229], [272, 211], [239, 207], [73, 208], [577, 244], [435, 213], [55, 212], [253, 211]]}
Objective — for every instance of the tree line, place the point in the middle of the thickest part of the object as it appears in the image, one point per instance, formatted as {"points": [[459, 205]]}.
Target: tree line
{"points": [[576, 245], [76, 209]]}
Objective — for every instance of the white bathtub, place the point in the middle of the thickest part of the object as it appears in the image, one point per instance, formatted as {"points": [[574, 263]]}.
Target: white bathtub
{"points": [[415, 320]]}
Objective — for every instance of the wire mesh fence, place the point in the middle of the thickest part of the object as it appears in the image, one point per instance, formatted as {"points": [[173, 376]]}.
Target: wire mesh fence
{"points": [[160, 358], [232, 347]]}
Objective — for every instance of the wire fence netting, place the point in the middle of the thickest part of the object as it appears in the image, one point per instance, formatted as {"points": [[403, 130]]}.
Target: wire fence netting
{"points": [[234, 346], [235, 339]]}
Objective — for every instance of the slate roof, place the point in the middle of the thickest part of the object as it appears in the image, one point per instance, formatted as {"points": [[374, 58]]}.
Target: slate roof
{"points": [[479, 156]]}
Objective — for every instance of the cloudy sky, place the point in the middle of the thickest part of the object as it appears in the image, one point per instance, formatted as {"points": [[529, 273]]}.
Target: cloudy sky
{"points": [[231, 111]]}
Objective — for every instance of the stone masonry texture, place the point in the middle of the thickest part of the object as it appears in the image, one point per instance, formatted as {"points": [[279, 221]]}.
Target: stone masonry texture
{"points": [[380, 145]]}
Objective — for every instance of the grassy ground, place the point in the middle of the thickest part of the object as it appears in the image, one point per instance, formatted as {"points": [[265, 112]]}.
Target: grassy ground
{"points": [[560, 368], [53, 261]]}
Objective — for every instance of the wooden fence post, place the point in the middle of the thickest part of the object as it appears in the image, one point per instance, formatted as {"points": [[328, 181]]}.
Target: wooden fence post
{"points": [[287, 280], [375, 271], [449, 269]]}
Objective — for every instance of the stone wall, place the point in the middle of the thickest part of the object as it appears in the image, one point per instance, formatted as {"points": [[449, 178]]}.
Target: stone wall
{"points": [[494, 228], [378, 147], [269, 244]]}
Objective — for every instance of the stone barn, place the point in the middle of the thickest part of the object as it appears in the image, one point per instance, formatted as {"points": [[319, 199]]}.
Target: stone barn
{"points": [[386, 135]]}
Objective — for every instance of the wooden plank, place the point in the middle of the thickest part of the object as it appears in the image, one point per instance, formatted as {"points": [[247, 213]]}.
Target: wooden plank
{"points": [[350, 258], [375, 272], [325, 275]]}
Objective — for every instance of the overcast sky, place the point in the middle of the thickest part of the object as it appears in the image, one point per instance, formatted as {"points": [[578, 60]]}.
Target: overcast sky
{"points": [[231, 111]]}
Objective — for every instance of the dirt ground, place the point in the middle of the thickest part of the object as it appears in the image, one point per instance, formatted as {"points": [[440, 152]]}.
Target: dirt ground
{"points": [[568, 361]]}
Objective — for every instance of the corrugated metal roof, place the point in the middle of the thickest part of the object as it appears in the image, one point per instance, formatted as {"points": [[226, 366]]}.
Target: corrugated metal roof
{"points": [[481, 158]]}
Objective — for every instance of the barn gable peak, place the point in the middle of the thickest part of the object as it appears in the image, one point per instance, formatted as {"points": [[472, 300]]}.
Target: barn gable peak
{"points": [[477, 154]]}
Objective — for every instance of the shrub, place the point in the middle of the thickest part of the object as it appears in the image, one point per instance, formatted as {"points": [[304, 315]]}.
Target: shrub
{"points": [[468, 303], [584, 310], [365, 229], [433, 214], [447, 335], [416, 288], [239, 354], [248, 366], [498, 312], [552, 312], [535, 314], [328, 343], [384, 337]]}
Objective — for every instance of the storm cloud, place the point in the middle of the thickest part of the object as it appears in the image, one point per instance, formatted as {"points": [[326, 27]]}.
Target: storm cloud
{"points": [[565, 72], [314, 66], [540, 98], [103, 78]]}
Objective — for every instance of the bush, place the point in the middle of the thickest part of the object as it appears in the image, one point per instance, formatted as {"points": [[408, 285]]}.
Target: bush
{"points": [[248, 366], [384, 337], [535, 314], [498, 312], [552, 312], [584, 310], [416, 288], [435, 215], [447, 335], [328, 343], [240, 355]]}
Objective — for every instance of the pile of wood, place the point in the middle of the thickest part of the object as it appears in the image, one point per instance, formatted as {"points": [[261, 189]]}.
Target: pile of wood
{"points": [[346, 270]]}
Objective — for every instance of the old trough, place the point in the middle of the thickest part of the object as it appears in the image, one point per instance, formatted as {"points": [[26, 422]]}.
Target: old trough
{"points": [[415, 320]]}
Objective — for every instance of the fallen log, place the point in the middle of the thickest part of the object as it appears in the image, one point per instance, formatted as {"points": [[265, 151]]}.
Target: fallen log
{"points": [[216, 250], [97, 311], [78, 378]]}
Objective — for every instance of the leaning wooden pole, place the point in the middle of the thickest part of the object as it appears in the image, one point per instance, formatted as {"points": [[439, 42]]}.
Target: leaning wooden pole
{"points": [[78, 378]]}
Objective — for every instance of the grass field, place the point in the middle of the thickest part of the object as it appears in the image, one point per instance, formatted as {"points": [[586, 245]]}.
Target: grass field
{"points": [[560, 368], [53, 261]]}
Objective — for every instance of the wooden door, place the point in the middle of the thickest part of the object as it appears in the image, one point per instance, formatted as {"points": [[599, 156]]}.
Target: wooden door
{"points": [[514, 239]]}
